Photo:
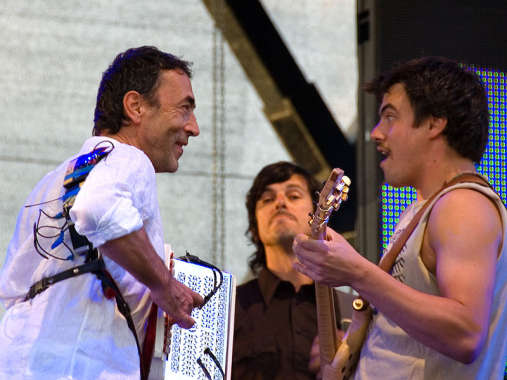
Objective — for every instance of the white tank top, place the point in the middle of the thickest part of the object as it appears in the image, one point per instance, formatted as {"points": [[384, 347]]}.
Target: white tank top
{"points": [[390, 353]]}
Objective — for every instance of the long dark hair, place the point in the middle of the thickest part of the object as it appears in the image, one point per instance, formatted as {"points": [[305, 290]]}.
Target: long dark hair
{"points": [[274, 173]]}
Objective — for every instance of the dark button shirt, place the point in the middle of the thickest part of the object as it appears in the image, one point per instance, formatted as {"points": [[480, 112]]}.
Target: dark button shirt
{"points": [[273, 330]]}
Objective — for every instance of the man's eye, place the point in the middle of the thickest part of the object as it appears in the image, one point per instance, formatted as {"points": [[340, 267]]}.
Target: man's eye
{"points": [[294, 196]]}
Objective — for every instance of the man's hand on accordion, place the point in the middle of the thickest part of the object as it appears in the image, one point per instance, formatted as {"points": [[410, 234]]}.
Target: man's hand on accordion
{"points": [[177, 300], [135, 253]]}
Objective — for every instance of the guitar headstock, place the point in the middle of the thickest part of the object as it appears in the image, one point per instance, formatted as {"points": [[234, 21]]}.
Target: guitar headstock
{"points": [[334, 192]]}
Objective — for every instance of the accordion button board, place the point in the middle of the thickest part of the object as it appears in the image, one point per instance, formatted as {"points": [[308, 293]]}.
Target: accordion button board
{"points": [[205, 350]]}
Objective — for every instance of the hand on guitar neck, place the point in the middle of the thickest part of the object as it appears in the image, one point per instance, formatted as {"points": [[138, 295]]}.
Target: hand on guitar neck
{"points": [[331, 261], [327, 267]]}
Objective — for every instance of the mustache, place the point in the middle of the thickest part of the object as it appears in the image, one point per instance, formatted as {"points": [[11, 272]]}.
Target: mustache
{"points": [[281, 212]]}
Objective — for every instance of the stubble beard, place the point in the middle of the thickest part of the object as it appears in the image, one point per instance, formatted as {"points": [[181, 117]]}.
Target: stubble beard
{"points": [[285, 240]]}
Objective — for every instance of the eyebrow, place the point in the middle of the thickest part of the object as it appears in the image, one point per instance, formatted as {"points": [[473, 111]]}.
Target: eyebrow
{"points": [[294, 186], [386, 107], [289, 187]]}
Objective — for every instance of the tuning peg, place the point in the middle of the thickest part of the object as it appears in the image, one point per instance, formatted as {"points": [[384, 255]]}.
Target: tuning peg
{"points": [[345, 196], [346, 180]]}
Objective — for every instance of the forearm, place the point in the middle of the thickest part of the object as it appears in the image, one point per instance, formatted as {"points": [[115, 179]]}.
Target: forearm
{"points": [[135, 254], [441, 323]]}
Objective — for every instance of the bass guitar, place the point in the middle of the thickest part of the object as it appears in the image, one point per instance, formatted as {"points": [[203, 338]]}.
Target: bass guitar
{"points": [[338, 358]]}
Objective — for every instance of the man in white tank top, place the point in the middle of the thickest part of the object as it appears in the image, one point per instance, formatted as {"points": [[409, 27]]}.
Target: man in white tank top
{"points": [[441, 311]]}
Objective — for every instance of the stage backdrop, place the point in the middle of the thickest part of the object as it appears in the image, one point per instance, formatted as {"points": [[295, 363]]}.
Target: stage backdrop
{"points": [[53, 53]]}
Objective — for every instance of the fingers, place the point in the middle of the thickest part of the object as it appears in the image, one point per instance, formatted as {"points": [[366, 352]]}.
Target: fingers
{"points": [[302, 241], [300, 238], [185, 322], [299, 267], [310, 251], [170, 320], [178, 301], [171, 265], [314, 363], [304, 269], [190, 300], [332, 235], [182, 316], [198, 300]]}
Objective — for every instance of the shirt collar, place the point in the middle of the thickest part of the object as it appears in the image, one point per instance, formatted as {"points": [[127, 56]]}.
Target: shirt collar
{"points": [[269, 283]]}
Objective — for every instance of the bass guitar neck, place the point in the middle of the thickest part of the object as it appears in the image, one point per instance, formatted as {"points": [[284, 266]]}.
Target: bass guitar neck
{"points": [[334, 192]]}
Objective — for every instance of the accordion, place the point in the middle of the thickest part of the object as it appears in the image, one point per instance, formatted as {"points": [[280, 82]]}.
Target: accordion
{"points": [[205, 350]]}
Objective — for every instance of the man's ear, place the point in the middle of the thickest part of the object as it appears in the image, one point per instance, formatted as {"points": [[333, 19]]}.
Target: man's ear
{"points": [[437, 126], [132, 106]]}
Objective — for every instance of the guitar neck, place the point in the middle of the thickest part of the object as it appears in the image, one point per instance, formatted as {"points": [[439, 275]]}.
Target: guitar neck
{"points": [[326, 317], [335, 191], [326, 320]]}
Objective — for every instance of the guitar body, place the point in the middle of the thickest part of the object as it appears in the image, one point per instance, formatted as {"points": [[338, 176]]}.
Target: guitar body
{"points": [[347, 355]]}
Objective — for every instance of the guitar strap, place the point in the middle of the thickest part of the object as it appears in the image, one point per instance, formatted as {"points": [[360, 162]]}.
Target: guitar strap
{"points": [[389, 258]]}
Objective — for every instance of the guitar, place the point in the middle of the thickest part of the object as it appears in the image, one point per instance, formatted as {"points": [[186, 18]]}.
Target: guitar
{"points": [[338, 359]]}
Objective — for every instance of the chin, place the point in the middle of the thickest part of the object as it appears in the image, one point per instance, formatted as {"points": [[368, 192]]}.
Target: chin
{"points": [[172, 166], [395, 182]]}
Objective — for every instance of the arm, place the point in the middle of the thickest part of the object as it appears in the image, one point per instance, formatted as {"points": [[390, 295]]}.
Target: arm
{"points": [[135, 253], [463, 234]]}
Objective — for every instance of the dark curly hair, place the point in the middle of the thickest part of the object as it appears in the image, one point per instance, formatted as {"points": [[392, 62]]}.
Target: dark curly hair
{"points": [[136, 69], [273, 173], [439, 87]]}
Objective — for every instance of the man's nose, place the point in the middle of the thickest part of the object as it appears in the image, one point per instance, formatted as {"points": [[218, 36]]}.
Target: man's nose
{"points": [[376, 134], [192, 127], [280, 201]]}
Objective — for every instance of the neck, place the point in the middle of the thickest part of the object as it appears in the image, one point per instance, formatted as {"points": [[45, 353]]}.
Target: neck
{"points": [[125, 135], [280, 260], [438, 172]]}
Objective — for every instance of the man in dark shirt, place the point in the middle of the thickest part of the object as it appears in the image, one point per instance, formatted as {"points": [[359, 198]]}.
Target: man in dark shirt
{"points": [[276, 322]]}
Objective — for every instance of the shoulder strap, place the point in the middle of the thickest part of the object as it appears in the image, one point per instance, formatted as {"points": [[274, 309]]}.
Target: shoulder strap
{"points": [[76, 174], [389, 258]]}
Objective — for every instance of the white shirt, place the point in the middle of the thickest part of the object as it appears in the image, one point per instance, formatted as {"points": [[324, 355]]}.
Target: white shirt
{"points": [[71, 331]]}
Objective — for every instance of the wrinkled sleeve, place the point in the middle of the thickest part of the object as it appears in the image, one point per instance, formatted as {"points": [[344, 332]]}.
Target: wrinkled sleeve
{"points": [[108, 207]]}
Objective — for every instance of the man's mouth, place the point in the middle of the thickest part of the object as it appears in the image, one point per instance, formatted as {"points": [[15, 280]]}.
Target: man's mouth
{"points": [[282, 213], [384, 152], [179, 149], [179, 146]]}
